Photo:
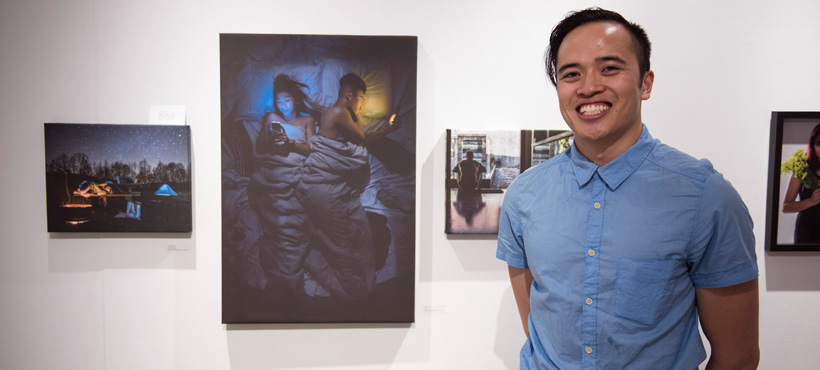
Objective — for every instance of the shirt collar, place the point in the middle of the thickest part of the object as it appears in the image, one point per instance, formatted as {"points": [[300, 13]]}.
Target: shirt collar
{"points": [[618, 170]]}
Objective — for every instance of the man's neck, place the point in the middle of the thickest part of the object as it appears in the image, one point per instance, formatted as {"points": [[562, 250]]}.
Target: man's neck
{"points": [[602, 153], [340, 102]]}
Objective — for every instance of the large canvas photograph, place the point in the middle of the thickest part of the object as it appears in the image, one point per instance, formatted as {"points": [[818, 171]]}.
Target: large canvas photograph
{"points": [[118, 178], [793, 212], [481, 165], [318, 178]]}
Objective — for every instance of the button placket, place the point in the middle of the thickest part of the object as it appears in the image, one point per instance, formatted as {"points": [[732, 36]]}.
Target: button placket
{"points": [[591, 271]]}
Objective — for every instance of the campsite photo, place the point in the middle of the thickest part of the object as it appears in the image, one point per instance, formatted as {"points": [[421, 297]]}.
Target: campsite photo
{"points": [[118, 178], [318, 178]]}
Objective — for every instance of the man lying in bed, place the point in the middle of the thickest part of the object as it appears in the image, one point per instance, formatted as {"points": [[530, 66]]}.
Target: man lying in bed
{"points": [[333, 177]]}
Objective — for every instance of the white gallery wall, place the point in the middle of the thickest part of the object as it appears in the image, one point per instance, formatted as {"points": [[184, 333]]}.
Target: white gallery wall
{"points": [[152, 302]]}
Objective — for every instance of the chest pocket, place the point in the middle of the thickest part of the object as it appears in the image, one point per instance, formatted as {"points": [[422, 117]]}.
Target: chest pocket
{"points": [[643, 288]]}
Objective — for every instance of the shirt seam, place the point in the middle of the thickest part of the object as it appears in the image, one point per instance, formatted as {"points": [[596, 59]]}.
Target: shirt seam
{"points": [[699, 208], [702, 179]]}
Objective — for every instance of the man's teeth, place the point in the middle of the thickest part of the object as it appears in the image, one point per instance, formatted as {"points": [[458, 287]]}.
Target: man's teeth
{"points": [[593, 108]]}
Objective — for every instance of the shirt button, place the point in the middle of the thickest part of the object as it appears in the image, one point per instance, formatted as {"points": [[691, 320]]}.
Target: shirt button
{"points": [[589, 301], [597, 205], [588, 350], [591, 253]]}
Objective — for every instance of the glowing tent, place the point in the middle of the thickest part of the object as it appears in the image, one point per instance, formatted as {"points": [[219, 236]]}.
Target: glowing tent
{"points": [[165, 191]]}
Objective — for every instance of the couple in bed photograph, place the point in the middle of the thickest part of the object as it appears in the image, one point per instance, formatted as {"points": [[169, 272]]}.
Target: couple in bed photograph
{"points": [[318, 178]]}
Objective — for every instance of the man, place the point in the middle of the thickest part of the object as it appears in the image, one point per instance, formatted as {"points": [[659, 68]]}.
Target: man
{"points": [[469, 173], [620, 244], [333, 177]]}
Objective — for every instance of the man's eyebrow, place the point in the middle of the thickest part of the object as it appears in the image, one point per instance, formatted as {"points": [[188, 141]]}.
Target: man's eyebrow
{"points": [[610, 59], [567, 66]]}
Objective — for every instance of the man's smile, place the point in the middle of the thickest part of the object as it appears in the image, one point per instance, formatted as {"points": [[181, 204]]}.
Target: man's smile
{"points": [[593, 109]]}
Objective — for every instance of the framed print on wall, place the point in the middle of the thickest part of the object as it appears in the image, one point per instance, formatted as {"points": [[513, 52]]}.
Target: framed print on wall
{"points": [[118, 178], [792, 216], [481, 164], [318, 178]]}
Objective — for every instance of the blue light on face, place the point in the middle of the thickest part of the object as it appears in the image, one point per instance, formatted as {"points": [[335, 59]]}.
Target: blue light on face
{"points": [[285, 104]]}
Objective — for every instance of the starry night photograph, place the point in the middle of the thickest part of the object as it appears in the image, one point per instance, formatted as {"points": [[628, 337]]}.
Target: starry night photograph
{"points": [[118, 178]]}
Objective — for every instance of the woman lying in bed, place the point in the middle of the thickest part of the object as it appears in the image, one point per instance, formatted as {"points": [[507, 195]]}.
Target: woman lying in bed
{"points": [[290, 116], [281, 149]]}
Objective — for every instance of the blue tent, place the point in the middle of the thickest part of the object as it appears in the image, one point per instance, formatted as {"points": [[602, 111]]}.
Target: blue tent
{"points": [[165, 191]]}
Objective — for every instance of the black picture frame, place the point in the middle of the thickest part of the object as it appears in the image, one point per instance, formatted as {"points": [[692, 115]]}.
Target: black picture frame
{"points": [[787, 129]]}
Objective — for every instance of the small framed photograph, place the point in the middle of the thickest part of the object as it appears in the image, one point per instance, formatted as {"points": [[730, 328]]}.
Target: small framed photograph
{"points": [[118, 178], [481, 165], [793, 207]]}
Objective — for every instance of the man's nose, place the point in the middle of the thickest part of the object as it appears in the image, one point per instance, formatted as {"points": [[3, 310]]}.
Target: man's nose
{"points": [[591, 84]]}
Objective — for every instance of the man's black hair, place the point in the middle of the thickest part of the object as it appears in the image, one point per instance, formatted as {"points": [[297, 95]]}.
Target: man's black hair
{"points": [[573, 20], [353, 82]]}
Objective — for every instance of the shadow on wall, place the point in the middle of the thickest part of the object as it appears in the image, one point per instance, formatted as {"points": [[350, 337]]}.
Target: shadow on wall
{"points": [[427, 187], [792, 271], [278, 346], [88, 252], [509, 332]]}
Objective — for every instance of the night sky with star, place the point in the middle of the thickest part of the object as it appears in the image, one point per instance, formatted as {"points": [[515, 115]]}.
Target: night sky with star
{"points": [[124, 143]]}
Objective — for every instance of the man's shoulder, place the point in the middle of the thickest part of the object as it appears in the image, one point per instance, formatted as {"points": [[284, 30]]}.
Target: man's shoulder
{"points": [[679, 162], [551, 164], [542, 173], [332, 112]]}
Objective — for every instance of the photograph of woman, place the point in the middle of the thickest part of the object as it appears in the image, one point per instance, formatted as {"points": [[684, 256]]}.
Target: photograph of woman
{"points": [[282, 145], [807, 225]]}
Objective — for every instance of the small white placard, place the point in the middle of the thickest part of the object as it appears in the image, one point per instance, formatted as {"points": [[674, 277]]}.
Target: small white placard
{"points": [[178, 247], [167, 115], [435, 308]]}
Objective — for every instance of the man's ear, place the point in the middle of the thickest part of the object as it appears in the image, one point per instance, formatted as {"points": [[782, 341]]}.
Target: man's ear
{"points": [[348, 95], [646, 86]]}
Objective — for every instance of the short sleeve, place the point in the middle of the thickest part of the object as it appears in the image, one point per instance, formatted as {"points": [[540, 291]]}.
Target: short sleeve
{"points": [[722, 252], [510, 240]]}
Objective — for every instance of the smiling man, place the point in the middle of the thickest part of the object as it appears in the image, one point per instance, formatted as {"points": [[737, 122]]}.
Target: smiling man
{"points": [[619, 246]]}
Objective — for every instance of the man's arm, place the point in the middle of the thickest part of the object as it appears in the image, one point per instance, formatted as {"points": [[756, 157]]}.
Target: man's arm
{"points": [[729, 317], [377, 135], [521, 281]]}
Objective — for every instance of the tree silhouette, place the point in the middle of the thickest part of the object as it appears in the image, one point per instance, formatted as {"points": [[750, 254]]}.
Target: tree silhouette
{"points": [[142, 171]]}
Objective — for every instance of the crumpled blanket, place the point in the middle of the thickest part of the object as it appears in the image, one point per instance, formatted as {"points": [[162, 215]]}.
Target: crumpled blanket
{"points": [[333, 178], [240, 223], [284, 240]]}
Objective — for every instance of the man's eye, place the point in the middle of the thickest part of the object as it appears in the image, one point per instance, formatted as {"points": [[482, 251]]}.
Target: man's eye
{"points": [[569, 75], [611, 69]]}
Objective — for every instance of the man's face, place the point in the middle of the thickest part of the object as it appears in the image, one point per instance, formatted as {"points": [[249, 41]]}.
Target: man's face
{"points": [[356, 102], [599, 85]]}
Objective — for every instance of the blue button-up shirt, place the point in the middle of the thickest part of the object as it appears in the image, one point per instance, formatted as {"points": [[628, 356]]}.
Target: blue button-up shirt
{"points": [[616, 253]]}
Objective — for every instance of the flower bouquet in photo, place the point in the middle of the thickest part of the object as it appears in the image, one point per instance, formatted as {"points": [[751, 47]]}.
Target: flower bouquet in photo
{"points": [[798, 166]]}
